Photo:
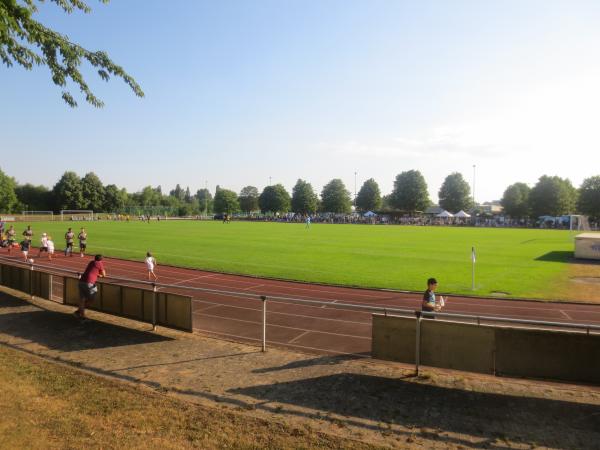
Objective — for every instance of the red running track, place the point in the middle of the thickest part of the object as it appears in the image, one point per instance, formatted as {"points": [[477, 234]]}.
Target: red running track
{"points": [[315, 328]]}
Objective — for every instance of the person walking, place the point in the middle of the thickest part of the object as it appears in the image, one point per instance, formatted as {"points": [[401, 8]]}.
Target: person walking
{"points": [[69, 238], [430, 303], [150, 265], [87, 285]]}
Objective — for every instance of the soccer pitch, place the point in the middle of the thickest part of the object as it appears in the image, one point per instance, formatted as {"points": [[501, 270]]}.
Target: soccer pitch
{"points": [[510, 262]]}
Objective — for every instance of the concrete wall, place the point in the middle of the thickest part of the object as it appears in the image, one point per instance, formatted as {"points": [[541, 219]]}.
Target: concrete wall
{"points": [[587, 246], [523, 352]]}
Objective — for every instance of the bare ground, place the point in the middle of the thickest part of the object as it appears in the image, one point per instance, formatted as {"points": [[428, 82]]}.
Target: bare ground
{"points": [[344, 397]]}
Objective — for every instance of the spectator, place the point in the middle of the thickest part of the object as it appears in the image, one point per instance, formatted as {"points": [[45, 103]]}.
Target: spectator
{"points": [[87, 285], [429, 303]]}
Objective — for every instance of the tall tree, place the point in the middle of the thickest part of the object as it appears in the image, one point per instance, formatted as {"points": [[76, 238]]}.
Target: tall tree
{"points": [[178, 193], [304, 199], [410, 192], [187, 196], [369, 196], [335, 198], [589, 197], [226, 201], [205, 200], [115, 199], [93, 192], [274, 199], [27, 42], [552, 196], [249, 199], [515, 200], [67, 192], [34, 198], [8, 198], [455, 193]]}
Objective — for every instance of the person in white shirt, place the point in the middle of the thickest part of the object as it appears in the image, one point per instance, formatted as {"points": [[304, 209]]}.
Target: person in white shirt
{"points": [[50, 247], [43, 244], [150, 265]]}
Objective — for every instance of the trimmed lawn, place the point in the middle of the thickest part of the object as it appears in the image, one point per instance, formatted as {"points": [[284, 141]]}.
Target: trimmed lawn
{"points": [[513, 262]]}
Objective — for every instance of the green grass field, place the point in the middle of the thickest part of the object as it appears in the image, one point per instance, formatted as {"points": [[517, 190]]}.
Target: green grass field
{"points": [[517, 263]]}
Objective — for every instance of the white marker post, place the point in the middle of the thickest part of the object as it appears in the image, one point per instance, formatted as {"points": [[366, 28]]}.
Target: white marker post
{"points": [[473, 258]]}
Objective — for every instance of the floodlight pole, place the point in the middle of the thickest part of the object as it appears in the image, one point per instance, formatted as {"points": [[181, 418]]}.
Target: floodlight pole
{"points": [[355, 173]]}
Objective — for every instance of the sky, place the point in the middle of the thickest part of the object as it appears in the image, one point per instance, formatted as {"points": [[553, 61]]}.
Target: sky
{"points": [[250, 92]]}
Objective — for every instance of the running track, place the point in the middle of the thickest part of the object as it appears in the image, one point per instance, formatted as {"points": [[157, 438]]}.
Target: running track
{"points": [[314, 328]]}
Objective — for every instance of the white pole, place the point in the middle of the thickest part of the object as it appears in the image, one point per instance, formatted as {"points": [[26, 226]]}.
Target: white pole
{"points": [[472, 268], [264, 324]]}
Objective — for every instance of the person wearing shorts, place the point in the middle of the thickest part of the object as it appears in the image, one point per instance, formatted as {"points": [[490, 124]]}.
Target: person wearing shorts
{"points": [[25, 245], [50, 244], [150, 265], [28, 233], [69, 238], [43, 244], [82, 242], [10, 236], [87, 285]]}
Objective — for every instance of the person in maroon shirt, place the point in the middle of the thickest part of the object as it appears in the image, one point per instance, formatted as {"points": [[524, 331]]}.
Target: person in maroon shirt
{"points": [[87, 284]]}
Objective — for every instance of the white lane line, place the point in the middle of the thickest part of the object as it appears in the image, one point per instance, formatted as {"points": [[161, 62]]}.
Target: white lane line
{"points": [[286, 314], [566, 315], [252, 287], [288, 328], [205, 309], [325, 306], [298, 337]]}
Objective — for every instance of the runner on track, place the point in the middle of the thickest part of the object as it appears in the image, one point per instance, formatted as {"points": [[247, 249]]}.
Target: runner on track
{"points": [[69, 238], [82, 242]]}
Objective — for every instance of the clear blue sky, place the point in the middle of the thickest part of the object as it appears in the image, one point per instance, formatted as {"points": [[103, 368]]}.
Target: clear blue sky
{"points": [[240, 91]]}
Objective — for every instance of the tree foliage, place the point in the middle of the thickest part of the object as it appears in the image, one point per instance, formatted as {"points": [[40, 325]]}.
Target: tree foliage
{"points": [[455, 193], [68, 193], [205, 200], [226, 201], [335, 198], [92, 190], [25, 41], [304, 199], [589, 197], [8, 198], [515, 200], [249, 199], [274, 199], [115, 199], [369, 196], [552, 196], [410, 192], [34, 198]]}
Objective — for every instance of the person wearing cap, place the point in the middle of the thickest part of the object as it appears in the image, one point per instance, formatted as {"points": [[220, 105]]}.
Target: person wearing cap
{"points": [[43, 244], [87, 285], [429, 303]]}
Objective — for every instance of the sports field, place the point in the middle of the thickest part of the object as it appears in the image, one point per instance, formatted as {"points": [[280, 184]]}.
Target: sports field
{"points": [[515, 263]]}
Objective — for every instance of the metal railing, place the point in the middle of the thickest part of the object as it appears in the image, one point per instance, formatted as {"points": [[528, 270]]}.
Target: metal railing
{"points": [[479, 320]]}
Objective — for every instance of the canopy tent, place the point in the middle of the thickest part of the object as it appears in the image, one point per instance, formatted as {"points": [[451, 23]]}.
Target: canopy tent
{"points": [[461, 213], [369, 214], [445, 214]]}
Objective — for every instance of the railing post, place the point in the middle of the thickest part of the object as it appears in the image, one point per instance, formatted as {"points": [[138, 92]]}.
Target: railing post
{"points": [[154, 306], [31, 280], [264, 322], [418, 343]]}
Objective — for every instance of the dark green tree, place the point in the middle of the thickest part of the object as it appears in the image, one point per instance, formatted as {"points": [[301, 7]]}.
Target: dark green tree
{"points": [[304, 199], [249, 199], [34, 198], [515, 200], [226, 202], [68, 193], [455, 193], [205, 200], [589, 197], [369, 196], [178, 193], [8, 198], [552, 196], [25, 41], [335, 198], [187, 196], [93, 192], [410, 192], [115, 199], [147, 197], [274, 199]]}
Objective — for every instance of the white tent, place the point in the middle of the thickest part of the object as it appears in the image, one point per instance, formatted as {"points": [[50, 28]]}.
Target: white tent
{"points": [[461, 213], [369, 214], [445, 213]]}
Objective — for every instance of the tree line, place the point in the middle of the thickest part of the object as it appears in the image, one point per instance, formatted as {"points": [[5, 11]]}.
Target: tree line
{"points": [[551, 195]]}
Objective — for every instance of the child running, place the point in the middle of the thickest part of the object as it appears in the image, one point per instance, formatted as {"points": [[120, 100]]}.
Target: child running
{"points": [[25, 243], [50, 246], [150, 264]]}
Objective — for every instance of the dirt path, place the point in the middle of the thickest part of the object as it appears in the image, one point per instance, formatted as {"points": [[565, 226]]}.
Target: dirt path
{"points": [[376, 402]]}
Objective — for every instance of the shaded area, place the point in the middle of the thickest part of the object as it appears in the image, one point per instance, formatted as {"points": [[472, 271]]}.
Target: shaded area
{"points": [[412, 404], [64, 332], [320, 361], [556, 256]]}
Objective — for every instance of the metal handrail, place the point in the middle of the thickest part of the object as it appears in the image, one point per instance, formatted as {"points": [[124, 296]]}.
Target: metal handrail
{"points": [[336, 305]]}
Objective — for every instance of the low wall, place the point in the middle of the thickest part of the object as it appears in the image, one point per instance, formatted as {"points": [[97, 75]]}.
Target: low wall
{"points": [[492, 349], [26, 280]]}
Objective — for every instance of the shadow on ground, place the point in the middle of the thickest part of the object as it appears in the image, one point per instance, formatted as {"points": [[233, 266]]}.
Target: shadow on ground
{"points": [[411, 404], [557, 256], [64, 332]]}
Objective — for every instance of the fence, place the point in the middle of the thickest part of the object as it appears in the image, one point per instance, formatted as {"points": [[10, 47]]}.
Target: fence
{"points": [[334, 327]]}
